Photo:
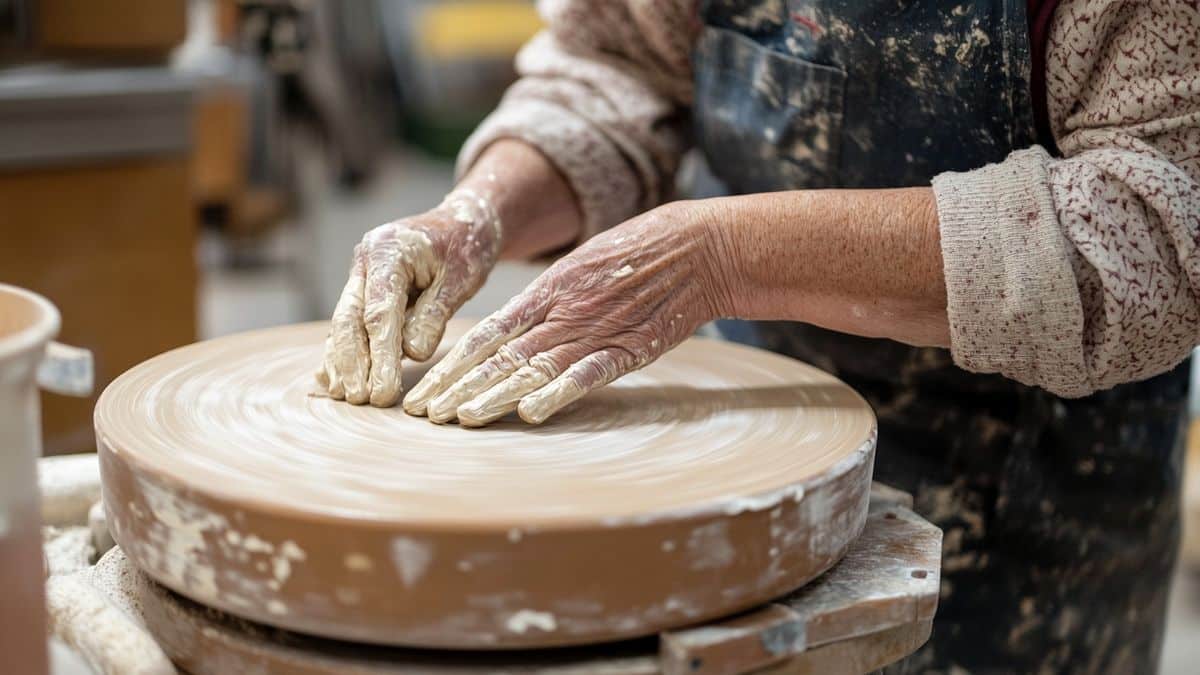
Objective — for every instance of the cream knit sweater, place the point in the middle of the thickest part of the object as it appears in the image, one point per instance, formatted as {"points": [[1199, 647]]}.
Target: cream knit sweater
{"points": [[1074, 274]]}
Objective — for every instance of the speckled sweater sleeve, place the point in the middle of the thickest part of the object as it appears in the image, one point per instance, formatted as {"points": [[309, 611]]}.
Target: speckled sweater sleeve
{"points": [[1080, 273], [603, 93]]}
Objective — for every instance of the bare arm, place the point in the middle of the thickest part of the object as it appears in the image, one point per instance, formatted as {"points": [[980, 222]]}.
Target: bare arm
{"points": [[538, 211], [866, 262]]}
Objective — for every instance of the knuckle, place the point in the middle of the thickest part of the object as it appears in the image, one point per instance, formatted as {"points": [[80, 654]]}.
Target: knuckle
{"points": [[631, 341], [377, 235], [376, 313], [508, 359], [546, 364], [588, 372], [628, 354]]}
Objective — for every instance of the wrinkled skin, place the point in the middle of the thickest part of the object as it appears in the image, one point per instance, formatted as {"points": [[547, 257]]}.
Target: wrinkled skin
{"points": [[612, 306], [407, 279]]}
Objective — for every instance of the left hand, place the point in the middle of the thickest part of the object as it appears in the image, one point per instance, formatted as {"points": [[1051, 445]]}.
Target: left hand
{"points": [[612, 306]]}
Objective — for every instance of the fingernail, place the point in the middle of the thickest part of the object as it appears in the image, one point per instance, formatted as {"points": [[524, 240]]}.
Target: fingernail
{"points": [[474, 414], [534, 410], [503, 398], [420, 345], [540, 405], [386, 396], [530, 418], [336, 391], [444, 407], [416, 400]]}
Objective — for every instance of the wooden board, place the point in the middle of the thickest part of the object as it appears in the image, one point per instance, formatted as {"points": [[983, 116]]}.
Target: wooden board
{"points": [[888, 581], [892, 613], [713, 480]]}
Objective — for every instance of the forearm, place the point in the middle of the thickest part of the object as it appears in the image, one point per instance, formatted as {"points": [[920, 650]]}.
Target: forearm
{"points": [[866, 262], [538, 211]]}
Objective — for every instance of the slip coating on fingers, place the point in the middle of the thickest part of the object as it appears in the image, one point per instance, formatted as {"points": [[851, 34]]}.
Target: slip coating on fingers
{"points": [[508, 359], [502, 398], [394, 266], [436, 261], [444, 407], [590, 372], [486, 406], [347, 356], [479, 343]]}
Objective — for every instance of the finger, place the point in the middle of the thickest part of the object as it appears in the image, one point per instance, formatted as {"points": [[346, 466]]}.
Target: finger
{"points": [[508, 359], [349, 357], [322, 374], [443, 408], [504, 397], [327, 377], [386, 299], [592, 371], [472, 348], [425, 324]]}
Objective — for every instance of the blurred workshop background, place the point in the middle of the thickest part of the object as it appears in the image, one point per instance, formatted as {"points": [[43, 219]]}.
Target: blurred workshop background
{"points": [[175, 170]]}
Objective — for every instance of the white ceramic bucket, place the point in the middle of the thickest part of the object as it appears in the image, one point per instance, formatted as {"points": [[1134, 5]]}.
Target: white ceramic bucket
{"points": [[28, 323]]}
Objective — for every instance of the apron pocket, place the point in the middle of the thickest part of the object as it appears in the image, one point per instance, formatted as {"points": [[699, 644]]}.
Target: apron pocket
{"points": [[766, 120]]}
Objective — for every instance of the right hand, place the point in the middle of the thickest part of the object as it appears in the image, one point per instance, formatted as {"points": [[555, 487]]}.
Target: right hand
{"points": [[435, 262]]}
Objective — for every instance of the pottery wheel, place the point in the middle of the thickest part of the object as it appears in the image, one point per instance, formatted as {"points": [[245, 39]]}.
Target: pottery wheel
{"points": [[714, 479]]}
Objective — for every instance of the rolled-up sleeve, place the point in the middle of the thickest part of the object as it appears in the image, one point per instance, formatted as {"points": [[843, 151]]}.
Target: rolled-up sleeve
{"points": [[1080, 273], [603, 93]]}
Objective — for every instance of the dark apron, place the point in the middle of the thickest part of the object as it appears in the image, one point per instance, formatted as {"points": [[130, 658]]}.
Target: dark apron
{"points": [[1060, 516]]}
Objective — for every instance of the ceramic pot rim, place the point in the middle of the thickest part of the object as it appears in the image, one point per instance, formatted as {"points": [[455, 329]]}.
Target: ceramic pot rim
{"points": [[42, 329]]}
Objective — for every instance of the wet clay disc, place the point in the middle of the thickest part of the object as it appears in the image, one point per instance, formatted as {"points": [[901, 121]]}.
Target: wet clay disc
{"points": [[712, 480]]}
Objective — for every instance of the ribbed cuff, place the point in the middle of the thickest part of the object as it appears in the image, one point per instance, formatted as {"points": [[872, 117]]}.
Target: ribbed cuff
{"points": [[1012, 298], [604, 183]]}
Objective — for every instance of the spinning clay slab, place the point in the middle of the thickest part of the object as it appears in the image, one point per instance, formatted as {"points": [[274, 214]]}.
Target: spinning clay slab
{"points": [[714, 479]]}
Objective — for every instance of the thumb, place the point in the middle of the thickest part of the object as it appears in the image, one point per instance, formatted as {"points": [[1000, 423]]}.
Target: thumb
{"points": [[426, 322]]}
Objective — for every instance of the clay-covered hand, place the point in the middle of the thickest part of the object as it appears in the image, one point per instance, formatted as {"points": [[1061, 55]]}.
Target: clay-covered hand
{"points": [[613, 305], [407, 279]]}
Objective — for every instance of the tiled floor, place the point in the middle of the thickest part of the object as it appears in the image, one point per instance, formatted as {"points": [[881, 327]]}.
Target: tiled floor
{"points": [[312, 257]]}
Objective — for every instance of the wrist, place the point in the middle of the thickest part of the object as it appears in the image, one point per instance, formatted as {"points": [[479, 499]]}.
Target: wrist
{"points": [[472, 211], [719, 266], [536, 206]]}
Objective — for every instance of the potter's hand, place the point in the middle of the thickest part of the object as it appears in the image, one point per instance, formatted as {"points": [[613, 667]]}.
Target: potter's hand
{"points": [[612, 306], [436, 261]]}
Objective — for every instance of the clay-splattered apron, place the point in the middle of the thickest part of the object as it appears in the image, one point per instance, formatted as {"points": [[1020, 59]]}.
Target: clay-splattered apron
{"points": [[1060, 516]]}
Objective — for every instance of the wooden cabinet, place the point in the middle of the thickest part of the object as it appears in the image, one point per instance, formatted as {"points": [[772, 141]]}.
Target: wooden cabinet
{"points": [[96, 214], [134, 28], [112, 244]]}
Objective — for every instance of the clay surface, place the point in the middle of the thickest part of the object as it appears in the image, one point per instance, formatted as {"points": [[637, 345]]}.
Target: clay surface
{"points": [[714, 479]]}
